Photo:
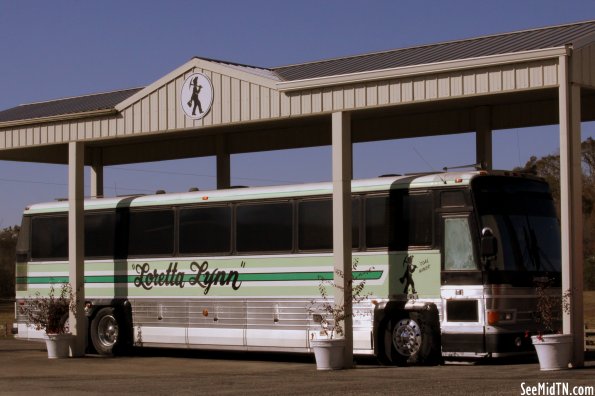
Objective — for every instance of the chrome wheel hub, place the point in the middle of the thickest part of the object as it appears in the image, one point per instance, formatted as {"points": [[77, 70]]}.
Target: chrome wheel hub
{"points": [[407, 337], [107, 330]]}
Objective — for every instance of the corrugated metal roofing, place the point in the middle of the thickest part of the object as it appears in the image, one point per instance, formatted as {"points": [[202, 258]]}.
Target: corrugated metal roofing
{"points": [[549, 37], [79, 104], [255, 70]]}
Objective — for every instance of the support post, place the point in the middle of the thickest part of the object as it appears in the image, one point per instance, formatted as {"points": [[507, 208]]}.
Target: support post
{"points": [[571, 207], [76, 245], [97, 174], [223, 164], [483, 137], [342, 170]]}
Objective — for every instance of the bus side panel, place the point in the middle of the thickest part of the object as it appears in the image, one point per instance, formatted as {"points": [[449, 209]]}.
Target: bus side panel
{"points": [[414, 275]]}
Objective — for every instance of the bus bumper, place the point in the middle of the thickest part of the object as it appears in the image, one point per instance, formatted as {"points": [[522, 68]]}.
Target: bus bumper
{"points": [[488, 344], [508, 343]]}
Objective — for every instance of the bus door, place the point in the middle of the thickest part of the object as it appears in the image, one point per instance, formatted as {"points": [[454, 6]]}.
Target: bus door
{"points": [[461, 287]]}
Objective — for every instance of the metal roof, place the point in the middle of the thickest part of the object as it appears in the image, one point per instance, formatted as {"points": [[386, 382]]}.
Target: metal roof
{"points": [[255, 70], [548, 37], [507, 43], [74, 105]]}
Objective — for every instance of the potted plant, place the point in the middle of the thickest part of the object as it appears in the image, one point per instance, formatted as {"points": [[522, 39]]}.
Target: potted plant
{"points": [[328, 342], [50, 314], [554, 350]]}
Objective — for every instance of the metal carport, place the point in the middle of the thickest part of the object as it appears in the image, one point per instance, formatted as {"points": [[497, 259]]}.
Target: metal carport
{"points": [[519, 79]]}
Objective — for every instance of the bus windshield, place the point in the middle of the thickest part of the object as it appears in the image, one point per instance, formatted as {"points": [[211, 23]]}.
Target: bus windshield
{"points": [[522, 216]]}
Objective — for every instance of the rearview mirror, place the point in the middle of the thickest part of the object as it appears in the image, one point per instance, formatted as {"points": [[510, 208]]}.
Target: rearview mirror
{"points": [[489, 243]]}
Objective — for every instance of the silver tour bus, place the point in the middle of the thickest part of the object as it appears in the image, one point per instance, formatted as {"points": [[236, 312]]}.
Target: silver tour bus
{"points": [[449, 259]]}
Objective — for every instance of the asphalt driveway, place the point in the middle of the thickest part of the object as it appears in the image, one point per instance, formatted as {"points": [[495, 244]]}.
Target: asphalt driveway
{"points": [[26, 370]]}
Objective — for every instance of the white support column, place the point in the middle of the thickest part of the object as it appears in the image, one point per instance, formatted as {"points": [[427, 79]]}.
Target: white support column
{"points": [[97, 174], [342, 170], [223, 164], [76, 244], [483, 137], [571, 207]]}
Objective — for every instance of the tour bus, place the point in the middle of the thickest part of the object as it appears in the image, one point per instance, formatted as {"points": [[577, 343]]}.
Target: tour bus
{"points": [[449, 260]]}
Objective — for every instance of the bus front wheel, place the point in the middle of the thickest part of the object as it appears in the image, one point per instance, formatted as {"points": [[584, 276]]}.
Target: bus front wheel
{"points": [[105, 331], [413, 340]]}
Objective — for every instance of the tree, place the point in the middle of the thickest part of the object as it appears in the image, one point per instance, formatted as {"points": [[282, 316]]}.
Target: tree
{"points": [[8, 242], [588, 165], [548, 167]]}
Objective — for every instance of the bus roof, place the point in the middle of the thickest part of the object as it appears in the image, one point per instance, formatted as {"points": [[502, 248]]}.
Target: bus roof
{"points": [[414, 181]]}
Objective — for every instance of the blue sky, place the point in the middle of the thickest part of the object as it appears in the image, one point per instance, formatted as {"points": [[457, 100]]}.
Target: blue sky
{"points": [[64, 48]]}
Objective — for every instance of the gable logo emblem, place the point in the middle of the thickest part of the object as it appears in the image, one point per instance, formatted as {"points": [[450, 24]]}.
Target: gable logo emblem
{"points": [[196, 96]]}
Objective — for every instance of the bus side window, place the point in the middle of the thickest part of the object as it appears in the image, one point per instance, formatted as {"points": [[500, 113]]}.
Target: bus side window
{"points": [[205, 230], [399, 220], [49, 237], [315, 224], [264, 227], [99, 234], [151, 232], [458, 246]]}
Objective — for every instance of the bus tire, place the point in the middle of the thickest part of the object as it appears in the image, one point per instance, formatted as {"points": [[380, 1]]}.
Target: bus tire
{"points": [[383, 340], [105, 331], [414, 340]]}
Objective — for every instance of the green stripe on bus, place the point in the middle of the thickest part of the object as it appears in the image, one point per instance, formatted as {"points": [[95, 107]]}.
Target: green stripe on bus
{"points": [[246, 277]]}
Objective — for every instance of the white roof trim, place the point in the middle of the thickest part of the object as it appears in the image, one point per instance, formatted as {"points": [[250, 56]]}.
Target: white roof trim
{"points": [[157, 84], [58, 118], [408, 71]]}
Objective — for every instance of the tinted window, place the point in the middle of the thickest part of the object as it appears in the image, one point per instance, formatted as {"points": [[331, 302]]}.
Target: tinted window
{"points": [[49, 237], [355, 220], [315, 224], [99, 234], [522, 215], [509, 196], [378, 224], [418, 214], [399, 220], [205, 230], [151, 232], [450, 199], [264, 227]]}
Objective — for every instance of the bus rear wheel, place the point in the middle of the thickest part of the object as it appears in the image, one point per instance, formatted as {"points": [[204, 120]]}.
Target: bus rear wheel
{"points": [[413, 340], [105, 331]]}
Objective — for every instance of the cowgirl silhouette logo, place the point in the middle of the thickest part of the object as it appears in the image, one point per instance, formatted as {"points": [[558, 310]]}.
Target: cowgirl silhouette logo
{"points": [[407, 278], [194, 101], [196, 96]]}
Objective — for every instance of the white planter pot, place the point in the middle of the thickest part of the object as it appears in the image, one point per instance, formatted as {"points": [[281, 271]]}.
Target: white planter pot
{"points": [[58, 345], [328, 353], [554, 351]]}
